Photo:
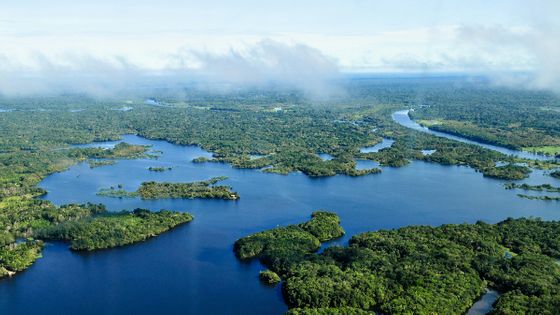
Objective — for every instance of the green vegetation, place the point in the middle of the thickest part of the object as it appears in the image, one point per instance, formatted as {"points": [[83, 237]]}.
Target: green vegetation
{"points": [[269, 277], [18, 257], [542, 187], [154, 190], [518, 119], [555, 174], [117, 192], [123, 150], [238, 125], [200, 159], [200, 189], [159, 169], [545, 198], [550, 150], [279, 244], [418, 269], [23, 217], [510, 171], [99, 163], [115, 229]]}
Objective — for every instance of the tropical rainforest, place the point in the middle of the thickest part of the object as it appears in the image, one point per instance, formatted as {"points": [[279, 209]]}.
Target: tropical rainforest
{"points": [[416, 269], [412, 270], [154, 190]]}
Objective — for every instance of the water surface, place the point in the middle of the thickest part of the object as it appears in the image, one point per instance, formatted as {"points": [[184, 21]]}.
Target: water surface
{"points": [[484, 305], [403, 119], [192, 269], [385, 143]]}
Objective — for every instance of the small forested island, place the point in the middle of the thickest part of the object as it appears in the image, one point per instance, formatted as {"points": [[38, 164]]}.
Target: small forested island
{"points": [[269, 277], [153, 190], [417, 269], [122, 150], [545, 198], [510, 172], [555, 174], [98, 163], [115, 229], [159, 169], [542, 187], [200, 159]]}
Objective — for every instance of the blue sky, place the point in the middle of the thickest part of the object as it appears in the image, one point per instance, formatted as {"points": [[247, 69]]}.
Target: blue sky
{"points": [[351, 35]]}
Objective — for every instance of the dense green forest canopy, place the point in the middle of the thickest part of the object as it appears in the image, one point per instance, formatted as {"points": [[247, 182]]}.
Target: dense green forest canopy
{"points": [[115, 229], [513, 118], [205, 189], [418, 269], [284, 129]]}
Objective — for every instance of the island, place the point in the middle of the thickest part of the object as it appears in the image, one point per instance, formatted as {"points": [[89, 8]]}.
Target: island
{"points": [[417, 269], [98, 163], [154, 190], [159, 169]]}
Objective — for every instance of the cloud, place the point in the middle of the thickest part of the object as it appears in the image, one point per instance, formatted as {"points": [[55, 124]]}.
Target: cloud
{"points": [[267, 62], [541, 46]]}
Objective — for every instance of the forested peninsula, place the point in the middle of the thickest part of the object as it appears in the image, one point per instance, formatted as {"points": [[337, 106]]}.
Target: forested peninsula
{"points": [[417, 269], [87, 226]]}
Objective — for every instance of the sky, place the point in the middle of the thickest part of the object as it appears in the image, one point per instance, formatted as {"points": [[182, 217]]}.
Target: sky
{"points": [[251, 41]]}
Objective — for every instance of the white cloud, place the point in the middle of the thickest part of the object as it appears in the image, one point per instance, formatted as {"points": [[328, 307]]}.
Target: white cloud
{"points": [[289, 65]]}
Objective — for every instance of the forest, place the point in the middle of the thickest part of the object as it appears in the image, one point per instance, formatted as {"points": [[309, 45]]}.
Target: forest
{"points": [[155, 190], [283, 128], [518, 119], [87, 226], [114, 229], [417, 269]]}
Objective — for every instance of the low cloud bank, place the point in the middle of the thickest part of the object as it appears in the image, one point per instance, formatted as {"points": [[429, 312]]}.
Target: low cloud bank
{"points": [[268, 62], [542, 45]]}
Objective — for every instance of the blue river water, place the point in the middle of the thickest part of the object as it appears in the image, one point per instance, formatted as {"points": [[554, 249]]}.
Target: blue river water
{"points": [[403, 118], [193, 270]]}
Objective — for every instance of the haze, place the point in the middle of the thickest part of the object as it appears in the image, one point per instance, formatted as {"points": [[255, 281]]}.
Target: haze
{"points": [[102, 46]]}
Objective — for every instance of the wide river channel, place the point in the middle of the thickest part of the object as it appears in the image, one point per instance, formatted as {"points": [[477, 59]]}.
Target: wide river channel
{"points": [[193, 270]]}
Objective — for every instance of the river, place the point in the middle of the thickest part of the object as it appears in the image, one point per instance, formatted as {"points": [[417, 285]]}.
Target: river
{"points": [[403, 119], [192, 269]]}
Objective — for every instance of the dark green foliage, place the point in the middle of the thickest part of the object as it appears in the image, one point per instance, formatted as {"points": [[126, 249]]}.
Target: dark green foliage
{"points": [[155, 190], [281, 247], [17, 257], [115, 229], [555, 174], [121, 150], [98, 163], [158, 169], [328, 311], [545, 198], [510, 118], [269, 277], [510, 172], [21, 217], [515, 302], [324, 225], [542, 187], [418, 269], [200, 189]]}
